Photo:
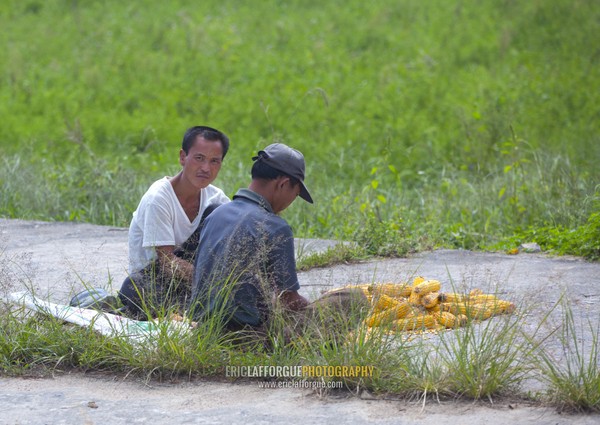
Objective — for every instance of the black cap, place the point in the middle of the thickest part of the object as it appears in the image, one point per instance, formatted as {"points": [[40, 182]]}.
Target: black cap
{"points": [[287, 160]]}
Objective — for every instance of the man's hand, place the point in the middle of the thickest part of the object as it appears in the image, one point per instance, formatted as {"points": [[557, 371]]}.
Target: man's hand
{"points": [[292, 300], [173, 266]]}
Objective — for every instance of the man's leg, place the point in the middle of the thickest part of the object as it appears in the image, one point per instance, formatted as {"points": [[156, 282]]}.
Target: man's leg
{"points": [[130, 297], [137, 292], [152, 292]]}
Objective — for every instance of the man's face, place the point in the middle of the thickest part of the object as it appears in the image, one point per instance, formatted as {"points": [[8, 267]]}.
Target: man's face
{"points": [[202, 163]]}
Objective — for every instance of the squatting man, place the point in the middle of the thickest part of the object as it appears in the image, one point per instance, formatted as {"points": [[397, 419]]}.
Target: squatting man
{"points": [[246, 264]]}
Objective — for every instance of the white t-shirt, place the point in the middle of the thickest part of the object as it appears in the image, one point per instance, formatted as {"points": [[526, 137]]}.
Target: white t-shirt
{"points": [[160, 220]]}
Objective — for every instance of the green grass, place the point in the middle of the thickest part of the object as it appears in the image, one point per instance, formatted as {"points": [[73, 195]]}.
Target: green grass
{"points": [[338, 254], [442, 123], [572, 374], [485, 360]]}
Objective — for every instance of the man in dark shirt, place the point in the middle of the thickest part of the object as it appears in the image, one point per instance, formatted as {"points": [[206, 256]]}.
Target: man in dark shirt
{"points": [[245, 257]]}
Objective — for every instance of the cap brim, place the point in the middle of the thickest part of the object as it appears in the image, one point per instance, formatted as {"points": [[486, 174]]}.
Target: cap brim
{"points": [[304, 193]]}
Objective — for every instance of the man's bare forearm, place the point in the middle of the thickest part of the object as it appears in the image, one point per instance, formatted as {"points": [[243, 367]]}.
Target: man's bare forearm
{"points": [[174, 267]]}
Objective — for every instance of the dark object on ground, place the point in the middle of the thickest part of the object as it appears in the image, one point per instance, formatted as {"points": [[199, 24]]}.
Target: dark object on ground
{"points": [[97, 299]]}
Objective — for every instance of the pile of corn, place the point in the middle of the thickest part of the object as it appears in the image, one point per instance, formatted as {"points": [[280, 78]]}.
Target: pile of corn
{"points": [[405, 307]]}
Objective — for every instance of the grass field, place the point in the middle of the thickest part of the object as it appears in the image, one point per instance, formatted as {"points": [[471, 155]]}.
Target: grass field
{"points": [[424, 124]]}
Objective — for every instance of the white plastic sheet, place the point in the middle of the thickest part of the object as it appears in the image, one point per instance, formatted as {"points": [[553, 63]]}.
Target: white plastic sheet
{"points": [[104, 323]]}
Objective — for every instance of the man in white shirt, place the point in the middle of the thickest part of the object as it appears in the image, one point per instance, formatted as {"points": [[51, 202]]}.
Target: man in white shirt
{"points": [[163, 233]]}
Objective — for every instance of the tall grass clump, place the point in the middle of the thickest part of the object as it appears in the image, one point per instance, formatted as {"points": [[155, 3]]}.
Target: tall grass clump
{"points": [[33, 344], [361, 347], [485, 359], [571, 371], [421, 375]]}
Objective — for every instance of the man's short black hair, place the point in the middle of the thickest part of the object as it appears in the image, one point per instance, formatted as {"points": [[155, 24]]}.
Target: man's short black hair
{"points": [[207, 133], [260, 170]]}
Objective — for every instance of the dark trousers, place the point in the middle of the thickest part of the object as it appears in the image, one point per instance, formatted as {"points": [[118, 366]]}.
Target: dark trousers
{"points": [[151, 292]]}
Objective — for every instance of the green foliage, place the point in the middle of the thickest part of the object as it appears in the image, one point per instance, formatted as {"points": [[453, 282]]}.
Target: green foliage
{"points": [[386, 239], [340, 253], [34, 342], [449, 123], [78, 186], [486, 359], [583, 241]]}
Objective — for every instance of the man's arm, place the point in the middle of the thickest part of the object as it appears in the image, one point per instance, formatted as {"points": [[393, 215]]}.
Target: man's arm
{"points": [[173, 266], [292, 300]]}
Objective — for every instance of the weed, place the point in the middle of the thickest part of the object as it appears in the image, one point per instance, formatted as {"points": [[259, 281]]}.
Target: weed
{"points": [[572, 373]]}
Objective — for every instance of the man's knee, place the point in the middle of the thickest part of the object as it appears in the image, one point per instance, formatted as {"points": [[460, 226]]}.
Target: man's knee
{"points": [[131, 294]]}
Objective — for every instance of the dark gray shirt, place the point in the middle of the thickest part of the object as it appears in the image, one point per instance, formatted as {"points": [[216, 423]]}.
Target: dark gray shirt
{"points": [[245, 256]]}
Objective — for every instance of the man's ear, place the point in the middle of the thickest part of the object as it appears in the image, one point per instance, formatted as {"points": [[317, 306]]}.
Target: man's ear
{"points": [[282, 181], [182, 156]]}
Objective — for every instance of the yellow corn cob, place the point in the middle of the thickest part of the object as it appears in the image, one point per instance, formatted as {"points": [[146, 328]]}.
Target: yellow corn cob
{"points": [[380, 318], [402, 309], [427, 286], [436, 308], [497, 306], [416, 322], [475, 292], [394, 290], [481, 312], [417, 280], [455, 308], [452, 297], [500, 306], [461, 320], [414, 310], [430, 300], [383, 302], [384, 317], [505, 306], [446, 319], [414, 298], [474, 311], [482, 299]]}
